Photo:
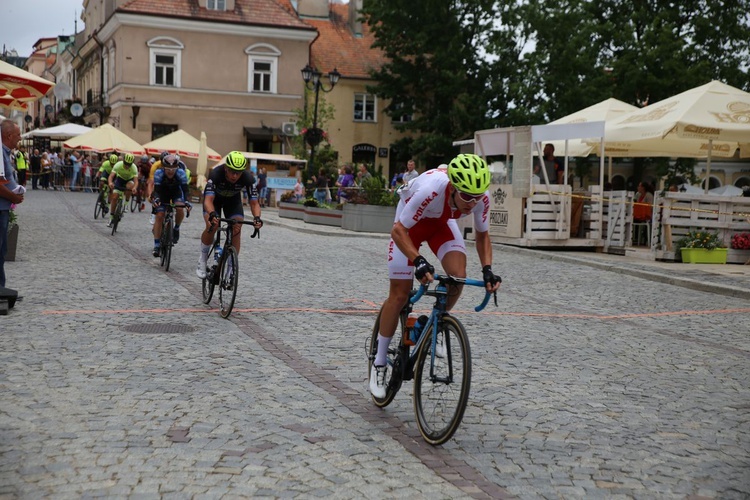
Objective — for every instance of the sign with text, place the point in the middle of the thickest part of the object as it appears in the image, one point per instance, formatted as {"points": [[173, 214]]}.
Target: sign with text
{"points": [[281, 182], [506, 212]]}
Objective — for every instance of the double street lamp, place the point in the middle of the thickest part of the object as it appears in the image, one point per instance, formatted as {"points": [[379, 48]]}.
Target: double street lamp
{"points": [[314, 135]]}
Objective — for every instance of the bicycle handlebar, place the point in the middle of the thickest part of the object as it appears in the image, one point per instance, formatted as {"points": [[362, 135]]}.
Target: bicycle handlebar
{"points": [[453, 280], [232, 222]]}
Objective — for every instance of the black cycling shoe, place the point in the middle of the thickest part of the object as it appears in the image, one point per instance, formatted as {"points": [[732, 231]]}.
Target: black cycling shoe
{"points": [[157, 251], [175, 236]]}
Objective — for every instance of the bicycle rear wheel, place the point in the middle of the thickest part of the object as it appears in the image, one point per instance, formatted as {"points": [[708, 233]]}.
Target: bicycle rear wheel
{"points": [[442, 382], [228, 278], [166, 244], [393, 375]]}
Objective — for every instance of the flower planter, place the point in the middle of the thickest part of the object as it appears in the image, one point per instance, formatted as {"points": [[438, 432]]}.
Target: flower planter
{"points": [[291, 210], [703, 256], [12, 243], [368, 218], [324, 216]]}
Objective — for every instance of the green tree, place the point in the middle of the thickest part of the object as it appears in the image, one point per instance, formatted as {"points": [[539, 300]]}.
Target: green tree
{"points": [[434, 70], [640, 52]]}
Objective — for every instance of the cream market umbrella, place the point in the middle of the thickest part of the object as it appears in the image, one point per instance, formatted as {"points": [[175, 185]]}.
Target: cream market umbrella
{"points": [[104, 139], [712, 120], [202, 166], [607, 110], [181, 143], [19, 87]]}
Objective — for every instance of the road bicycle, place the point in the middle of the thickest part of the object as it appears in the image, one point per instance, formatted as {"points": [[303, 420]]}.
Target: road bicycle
{"points": [[138, 200], [167, 233], [119, 210], [102, 201], [436, 354], [223, 267]]}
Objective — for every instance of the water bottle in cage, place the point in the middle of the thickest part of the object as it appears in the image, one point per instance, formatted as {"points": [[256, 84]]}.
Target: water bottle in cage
{"points": [[217, 254]]}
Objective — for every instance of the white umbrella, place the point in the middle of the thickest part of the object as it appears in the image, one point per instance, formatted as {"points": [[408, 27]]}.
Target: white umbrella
{"points": [[64, 131], [707, 121], [726, 190], [689, 188]]}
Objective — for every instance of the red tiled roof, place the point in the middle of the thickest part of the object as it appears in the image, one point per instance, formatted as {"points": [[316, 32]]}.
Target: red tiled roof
{"points": [[252, 12], [337, 47]]}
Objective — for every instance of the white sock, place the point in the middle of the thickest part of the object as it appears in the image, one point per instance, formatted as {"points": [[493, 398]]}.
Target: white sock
{"points": [[381, 359], [204, 251]]}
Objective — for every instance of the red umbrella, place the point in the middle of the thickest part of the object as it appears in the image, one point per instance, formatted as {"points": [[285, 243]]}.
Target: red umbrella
{"points": [[19, 87]]}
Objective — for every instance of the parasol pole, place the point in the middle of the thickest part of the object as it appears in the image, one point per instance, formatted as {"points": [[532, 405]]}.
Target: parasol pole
{"points": [[708, 165]]}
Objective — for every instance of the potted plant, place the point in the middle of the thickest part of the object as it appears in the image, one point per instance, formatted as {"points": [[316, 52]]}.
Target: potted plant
{"points": [[10, 256], [289, 208], [371, 209], [702, 247]]}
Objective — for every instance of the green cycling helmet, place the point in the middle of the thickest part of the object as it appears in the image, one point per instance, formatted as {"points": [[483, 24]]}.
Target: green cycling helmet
{"points": [[128, 158], [469, 174], [113, 158], [236, 161]]}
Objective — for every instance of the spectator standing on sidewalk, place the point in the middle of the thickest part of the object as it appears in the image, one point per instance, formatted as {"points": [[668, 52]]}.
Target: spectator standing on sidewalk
{"points": [[35, 162], [22, 164], [11, 134], [75, 159]]}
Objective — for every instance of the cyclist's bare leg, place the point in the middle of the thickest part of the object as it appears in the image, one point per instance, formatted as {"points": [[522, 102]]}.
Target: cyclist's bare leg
{"points": [[129, 190], [208, 234], [397, 297], [237, 236], [454, 264], [180, 215], [158, 221]]}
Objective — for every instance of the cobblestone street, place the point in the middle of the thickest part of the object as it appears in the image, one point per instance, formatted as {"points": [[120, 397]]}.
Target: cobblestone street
{"points": [[595, 377]]}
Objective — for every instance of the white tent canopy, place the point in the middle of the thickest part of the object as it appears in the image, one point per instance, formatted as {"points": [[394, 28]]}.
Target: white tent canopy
{"points": [[64, 131]]}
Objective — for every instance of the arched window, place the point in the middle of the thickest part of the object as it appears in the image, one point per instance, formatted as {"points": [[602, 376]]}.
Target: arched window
{"points": [[742, 182], [618, 182], [165, 61], [262, 68], [713, 182]]}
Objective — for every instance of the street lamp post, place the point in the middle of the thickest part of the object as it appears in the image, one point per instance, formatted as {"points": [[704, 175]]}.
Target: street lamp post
{"points": [[314, 135]]}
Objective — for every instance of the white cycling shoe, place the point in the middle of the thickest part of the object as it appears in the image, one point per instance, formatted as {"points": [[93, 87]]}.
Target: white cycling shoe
{"points": [[201, 269], [377, 381]]}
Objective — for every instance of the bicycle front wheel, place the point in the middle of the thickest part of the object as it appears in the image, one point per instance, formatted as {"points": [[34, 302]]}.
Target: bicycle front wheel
{"points": [[98, 207], [119, 209], [228, 278], [166, 244], [394, 374], [442, 382], [133, 203]]}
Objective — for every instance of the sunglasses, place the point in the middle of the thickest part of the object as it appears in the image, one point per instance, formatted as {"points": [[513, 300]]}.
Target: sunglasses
{"points": [[467, 198], [171, 169]]}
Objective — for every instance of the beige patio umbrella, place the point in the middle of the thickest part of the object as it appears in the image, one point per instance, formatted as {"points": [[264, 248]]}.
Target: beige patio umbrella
{"points": [[104, 139], [202, 165], [708, 121], [607, 110], [181, 143]]}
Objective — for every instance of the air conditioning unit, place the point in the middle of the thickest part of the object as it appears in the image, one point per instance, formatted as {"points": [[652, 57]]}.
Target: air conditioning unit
{"points": [[289, 128]]}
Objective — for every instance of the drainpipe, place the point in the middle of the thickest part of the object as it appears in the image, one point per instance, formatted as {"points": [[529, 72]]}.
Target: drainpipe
{"points": [[95, 36]]}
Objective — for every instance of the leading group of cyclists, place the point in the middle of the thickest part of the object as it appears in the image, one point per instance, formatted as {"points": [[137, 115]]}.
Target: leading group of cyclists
{"points": [[427, 211]]}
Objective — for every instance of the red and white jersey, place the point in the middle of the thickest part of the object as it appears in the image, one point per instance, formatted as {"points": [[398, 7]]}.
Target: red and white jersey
{"points": [[427, 197]]}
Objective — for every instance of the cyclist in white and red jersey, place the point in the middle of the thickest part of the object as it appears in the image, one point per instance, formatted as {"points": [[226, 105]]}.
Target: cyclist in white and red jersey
{"points": [[427, 212]]}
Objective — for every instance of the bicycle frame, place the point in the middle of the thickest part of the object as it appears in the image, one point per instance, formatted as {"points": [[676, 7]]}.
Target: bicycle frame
{"points": [[440, 292]]}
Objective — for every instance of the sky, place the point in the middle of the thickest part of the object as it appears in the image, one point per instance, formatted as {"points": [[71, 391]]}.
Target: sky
{"points": [[26, 21]]}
